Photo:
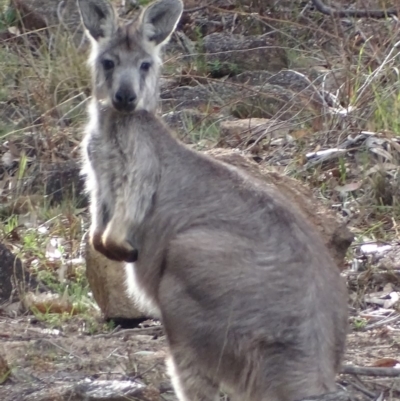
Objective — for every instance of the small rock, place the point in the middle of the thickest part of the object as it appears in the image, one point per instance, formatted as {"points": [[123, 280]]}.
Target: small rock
{"points": [[185, 97], [236, 132], [255, 78], [289, 79], [228, 54]]}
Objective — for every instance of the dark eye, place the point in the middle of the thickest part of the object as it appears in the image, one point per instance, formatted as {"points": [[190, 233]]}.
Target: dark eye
{"points": [[145, 66], [108, 64]]}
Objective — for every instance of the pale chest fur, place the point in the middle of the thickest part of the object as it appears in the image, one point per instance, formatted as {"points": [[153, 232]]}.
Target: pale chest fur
{"points": [[121, 163], [138, 293]]}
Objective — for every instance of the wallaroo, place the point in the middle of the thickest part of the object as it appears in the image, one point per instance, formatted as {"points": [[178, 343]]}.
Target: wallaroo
{"points": [[250, 299]]}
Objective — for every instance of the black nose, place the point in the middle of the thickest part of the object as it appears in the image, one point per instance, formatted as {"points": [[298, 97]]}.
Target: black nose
{"points": [[124, 99]]}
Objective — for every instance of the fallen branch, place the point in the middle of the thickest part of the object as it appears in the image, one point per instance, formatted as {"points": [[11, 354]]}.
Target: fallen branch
{"points": [[151, 331], [370, 371]]}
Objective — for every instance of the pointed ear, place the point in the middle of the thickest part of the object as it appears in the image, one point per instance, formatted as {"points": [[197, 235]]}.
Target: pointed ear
{"points": [[159, 20], [98, 17]]}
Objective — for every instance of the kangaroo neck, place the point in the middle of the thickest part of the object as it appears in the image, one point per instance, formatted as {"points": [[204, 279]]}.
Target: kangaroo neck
{"points": [[134, 132], [112, 123]]}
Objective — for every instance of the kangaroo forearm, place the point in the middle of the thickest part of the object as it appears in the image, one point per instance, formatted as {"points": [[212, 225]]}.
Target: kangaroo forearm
{"points": [[130, 211], [98, 223]]}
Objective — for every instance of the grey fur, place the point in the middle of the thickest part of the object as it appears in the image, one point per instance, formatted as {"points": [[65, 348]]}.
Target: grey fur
{"points": [[160, 18], [249, 296], [98, 17]]}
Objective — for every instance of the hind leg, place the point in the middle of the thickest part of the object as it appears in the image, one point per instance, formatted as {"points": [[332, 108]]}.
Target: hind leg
{"points": [[190, 384]]}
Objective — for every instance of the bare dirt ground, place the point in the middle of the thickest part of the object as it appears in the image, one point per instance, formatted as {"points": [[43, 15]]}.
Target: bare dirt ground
{"points": [[52, 364], [47, 363]]}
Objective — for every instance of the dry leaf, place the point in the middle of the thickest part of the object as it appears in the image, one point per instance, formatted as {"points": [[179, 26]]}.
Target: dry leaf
{"points": [[353, 186], [14, 30], [386, 363], [7, 159], [301, 133], [388, 288], [49, 303], [317, 148]]}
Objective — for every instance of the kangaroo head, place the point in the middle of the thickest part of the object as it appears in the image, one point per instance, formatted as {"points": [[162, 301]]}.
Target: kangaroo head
{"points": [[125, 58]]}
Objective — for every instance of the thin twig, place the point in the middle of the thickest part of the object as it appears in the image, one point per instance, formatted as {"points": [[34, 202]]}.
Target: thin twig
{"points": [[382, 322], [140, 375], [117, 328], [194, 9], [360, 387], [145, 330], [63, 349]]}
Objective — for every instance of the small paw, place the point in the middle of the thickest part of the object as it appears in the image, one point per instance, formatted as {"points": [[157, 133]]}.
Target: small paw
{"points": [[96, 241], [120, 253]]}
